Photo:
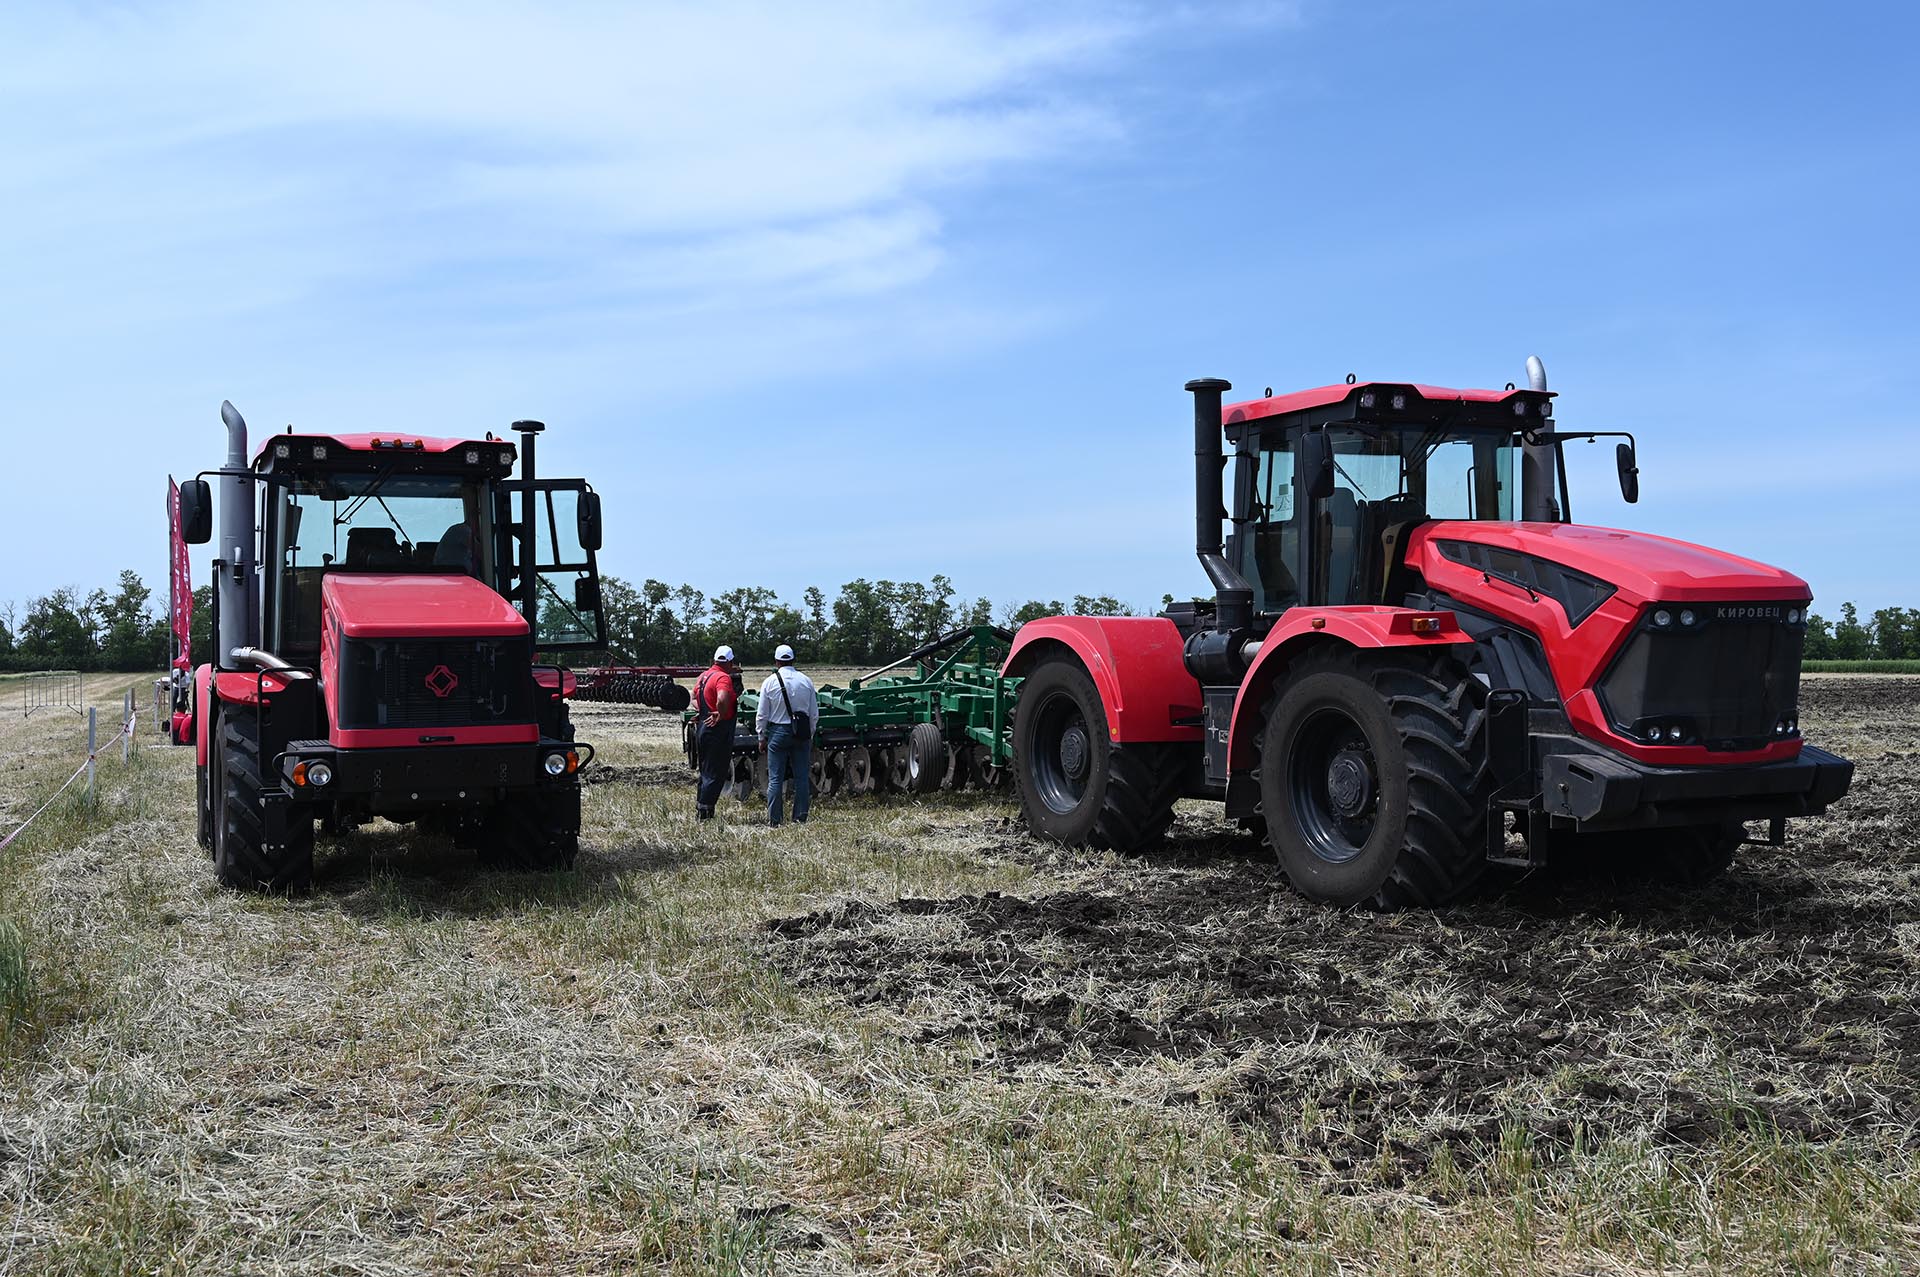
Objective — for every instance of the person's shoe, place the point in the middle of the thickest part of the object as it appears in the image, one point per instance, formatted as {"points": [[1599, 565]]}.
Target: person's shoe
{"points": [[703, 813]]}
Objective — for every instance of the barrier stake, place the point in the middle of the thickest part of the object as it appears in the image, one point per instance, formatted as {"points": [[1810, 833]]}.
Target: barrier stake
{"points": [[93, 723]]}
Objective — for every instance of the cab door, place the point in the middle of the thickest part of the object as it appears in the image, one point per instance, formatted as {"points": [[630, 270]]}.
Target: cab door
{"points": [[566, 576]]}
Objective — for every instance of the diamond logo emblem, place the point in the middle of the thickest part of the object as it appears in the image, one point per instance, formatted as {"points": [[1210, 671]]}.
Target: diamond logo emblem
{"points": [[441, 681]]}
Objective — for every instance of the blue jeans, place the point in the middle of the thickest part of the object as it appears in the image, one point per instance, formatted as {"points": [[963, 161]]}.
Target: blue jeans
{"points": [[715, 748], [787, 757]]}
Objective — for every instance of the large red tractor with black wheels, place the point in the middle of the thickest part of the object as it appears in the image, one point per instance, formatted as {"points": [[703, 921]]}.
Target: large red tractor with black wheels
{"points": [[378, 604], [1416, 665]]}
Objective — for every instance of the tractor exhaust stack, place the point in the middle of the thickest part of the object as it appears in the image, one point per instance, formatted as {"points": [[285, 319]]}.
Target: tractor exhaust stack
{"points": [[1537, 463], [235, 579], [1233, 597]]}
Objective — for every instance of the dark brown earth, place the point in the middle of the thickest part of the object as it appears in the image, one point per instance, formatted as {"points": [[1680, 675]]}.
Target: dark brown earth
{"points": [[1783, 996]]}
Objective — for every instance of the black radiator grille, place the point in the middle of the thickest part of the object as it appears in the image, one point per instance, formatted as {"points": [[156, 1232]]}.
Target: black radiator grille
{"points": [[1729, 678], [435, 683]]}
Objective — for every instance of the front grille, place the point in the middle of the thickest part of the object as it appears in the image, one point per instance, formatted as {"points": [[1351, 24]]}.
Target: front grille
{"points": [[435, 683], [1730, 677]]}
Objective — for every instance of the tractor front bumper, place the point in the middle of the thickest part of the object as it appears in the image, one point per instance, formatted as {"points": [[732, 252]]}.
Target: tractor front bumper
{"points": [[1605, 791], [393, 779]]}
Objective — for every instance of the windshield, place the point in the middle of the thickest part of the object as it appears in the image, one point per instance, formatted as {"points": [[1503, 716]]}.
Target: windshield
{"points": [[370, 522], [1385, 479]]}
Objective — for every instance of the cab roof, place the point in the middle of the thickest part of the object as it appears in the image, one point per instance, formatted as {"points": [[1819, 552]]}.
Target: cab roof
{"points": [[382, 441], [1349, 393]]}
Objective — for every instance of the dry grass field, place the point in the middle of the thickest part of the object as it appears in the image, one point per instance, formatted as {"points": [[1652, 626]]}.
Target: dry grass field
{"points": [[907, 1038]]}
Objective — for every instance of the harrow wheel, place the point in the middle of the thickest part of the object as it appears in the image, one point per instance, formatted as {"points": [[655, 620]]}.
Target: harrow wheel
{"points": [[927, 761], [1373, 778], [894, 770]]}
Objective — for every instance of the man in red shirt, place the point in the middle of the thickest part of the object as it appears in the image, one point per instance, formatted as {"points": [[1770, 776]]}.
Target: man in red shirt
{"points": [[714, 699]]}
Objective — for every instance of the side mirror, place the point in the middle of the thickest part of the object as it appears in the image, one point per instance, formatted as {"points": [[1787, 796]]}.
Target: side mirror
{"points": [[586, 594], [196, 512], [1316, 457], [1629, 472], [589, 521]]}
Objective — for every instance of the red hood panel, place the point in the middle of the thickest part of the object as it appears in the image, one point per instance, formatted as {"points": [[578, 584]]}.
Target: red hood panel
{"points": [[1645, 566], [382, 605]]}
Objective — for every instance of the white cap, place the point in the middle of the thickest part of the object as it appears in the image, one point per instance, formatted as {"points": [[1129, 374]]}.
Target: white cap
{"points": [[783, 653], [723, 653]]}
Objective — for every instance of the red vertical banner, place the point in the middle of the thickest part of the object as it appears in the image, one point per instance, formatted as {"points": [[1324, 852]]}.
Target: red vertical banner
{"points": [[179, 584]]}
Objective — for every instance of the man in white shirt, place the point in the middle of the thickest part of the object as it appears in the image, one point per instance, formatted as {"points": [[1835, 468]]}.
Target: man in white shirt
{"points": [[789, 711]]}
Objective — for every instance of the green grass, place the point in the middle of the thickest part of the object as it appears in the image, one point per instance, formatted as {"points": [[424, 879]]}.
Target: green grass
{"points": [[421, 1068], [1862, 667]]}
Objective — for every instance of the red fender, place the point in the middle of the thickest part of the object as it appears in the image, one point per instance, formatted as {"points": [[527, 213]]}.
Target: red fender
{"points": [[1303, 627], [202, 711], [1136, 663]]}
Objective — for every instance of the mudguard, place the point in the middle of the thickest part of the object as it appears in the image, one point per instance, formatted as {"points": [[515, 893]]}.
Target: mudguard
{"points": [[1136, 663], [1300, 628], [202, 711]]}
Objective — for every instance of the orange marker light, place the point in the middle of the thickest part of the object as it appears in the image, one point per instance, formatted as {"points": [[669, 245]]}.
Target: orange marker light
{"points": [[1426, 625]]}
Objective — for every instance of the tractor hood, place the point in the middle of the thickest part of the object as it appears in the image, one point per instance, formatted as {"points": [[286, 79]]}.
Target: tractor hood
{"points": [[394, 605], [1639, 564]]}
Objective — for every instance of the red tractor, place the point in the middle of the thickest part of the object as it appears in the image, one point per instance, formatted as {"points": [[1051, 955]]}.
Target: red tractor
{"points": [[1402, 679], [377, 609]]}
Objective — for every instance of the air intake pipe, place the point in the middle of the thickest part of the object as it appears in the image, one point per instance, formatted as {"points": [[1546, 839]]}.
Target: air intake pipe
{"points": [[236, 538], [1538, 464], [1233, 597]]}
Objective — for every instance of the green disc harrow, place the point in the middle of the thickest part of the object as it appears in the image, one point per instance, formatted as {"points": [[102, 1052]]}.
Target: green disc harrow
{"points": [[940, 715]]}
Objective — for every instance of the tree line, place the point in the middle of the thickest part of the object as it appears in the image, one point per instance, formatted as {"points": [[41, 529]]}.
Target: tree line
{"points": [[649, 624], [867, 622], [1890, 634]]}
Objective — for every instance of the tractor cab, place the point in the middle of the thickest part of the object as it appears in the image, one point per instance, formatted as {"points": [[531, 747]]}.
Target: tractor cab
{"points": [[1327, 483], [409, 506]]}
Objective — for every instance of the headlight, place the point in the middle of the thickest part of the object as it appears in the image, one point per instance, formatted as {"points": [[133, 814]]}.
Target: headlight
{"points": [[472, 457], [281, 451], [319, 452], [1793, 616], [1366, 399], [555, 764], [1399, 402], [1674, 733], [1686, 617], [1519, 407], [319, 774], [1663, 617], [506, 456]]}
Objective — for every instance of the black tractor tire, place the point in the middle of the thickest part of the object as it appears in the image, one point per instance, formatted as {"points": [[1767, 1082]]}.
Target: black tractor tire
{"points": [[241, 859], [1373, 778], [1076, 786], [532, 833], [202, 810], [1681, 856], [926, 759]]}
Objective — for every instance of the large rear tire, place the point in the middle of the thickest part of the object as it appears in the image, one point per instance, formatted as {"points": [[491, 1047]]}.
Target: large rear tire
{"points": [[1076, 786], [1373, 779], [241, 858]]}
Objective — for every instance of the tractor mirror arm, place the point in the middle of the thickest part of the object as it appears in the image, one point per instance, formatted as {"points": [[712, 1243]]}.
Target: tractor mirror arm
{"points": [[1626, 455]]}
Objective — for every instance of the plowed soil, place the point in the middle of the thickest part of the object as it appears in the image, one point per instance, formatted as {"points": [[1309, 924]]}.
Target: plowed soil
{"points": [[1556, 1014]]}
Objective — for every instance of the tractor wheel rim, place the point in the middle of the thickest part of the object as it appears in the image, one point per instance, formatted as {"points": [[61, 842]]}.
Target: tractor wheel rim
{"points": [[1063, 754], [1334, 781]]}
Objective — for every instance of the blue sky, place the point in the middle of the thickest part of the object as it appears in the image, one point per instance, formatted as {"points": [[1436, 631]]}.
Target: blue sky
{"points": [[944, 268]]}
